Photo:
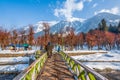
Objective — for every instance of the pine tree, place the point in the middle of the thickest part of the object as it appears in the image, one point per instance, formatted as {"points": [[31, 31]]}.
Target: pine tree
{"points": [[118, 27], [99, 26], [104, 25]]}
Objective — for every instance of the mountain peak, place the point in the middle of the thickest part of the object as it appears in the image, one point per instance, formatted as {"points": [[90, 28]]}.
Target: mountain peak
{"points": [[106, 14], [93, 22]]}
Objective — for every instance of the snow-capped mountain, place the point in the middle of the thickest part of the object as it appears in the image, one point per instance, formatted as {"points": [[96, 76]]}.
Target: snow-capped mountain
{"points": [[78, 25], [62, 25], [38, 27], [93, 22]]}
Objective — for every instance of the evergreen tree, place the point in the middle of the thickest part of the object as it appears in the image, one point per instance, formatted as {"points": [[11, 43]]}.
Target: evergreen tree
{"points": [[104, 25], [99, 26], [118, 27], [112, 29]]}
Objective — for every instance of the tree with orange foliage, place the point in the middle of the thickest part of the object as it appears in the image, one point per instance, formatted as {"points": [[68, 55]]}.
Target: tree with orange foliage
{"points": [[91, 40], [72, 38], [46, 35], [100, 38], [40, 42], [80, 40], [22, 37], [54, 38], [4, 38], [109, 40], [31, 35], [14, 37]]}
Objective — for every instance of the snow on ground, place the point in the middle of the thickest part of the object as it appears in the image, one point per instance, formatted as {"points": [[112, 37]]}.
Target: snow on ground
{"points": [[16, 52], [13, 68], [86, 51], [103, 65], [14, 59], [110, 56], [17, 67]]}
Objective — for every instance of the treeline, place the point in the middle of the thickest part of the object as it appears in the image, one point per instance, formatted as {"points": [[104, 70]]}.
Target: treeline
{"points": [[111, 28], [100, 37], [16, 37]]}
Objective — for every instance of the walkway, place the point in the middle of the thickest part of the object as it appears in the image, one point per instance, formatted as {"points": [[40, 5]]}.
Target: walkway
{"points": [[55, 69]]}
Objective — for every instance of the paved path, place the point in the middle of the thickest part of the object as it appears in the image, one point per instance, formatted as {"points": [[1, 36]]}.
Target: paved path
{"points": [[55, 69]]}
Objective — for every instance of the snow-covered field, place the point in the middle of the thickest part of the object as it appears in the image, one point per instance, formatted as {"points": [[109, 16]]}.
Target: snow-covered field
{"points": [[86, 51], [14, 67], [14, 59], [16, 52], [113, 55]]}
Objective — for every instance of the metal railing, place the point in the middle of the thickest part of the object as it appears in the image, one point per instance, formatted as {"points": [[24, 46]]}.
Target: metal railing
{"points": [[33, 70], [81, 71]]}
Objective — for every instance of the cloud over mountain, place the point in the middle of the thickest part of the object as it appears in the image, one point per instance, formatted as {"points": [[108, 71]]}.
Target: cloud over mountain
{"points": [[68, 9], [114, 10]]}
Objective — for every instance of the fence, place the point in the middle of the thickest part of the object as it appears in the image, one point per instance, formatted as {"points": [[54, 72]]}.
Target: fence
{"points": [[81, 71], [33, 70]]}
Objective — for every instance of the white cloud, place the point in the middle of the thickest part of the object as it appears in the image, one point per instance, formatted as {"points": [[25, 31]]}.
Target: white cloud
{"points": [[114, 10], [68, 8], [94, 5]]}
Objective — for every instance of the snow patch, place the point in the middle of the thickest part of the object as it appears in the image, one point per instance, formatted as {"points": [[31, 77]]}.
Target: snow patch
{"points": [[13, 68], [115, 21], [14, 59], [110, 56], [18, 52], [86, 51]]}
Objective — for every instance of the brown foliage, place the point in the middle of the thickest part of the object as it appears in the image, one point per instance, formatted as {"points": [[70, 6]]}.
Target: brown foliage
{"points": [[22, 37], [31, 40], [46, 35], [4, 38], [80, 40]]}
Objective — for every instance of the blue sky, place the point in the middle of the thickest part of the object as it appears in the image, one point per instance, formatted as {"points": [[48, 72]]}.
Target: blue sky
{"points": [[19, 13]]}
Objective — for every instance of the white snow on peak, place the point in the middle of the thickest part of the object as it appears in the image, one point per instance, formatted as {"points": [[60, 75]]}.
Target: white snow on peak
{"points": [[115, 21], [76, 19], [39, 26]]}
